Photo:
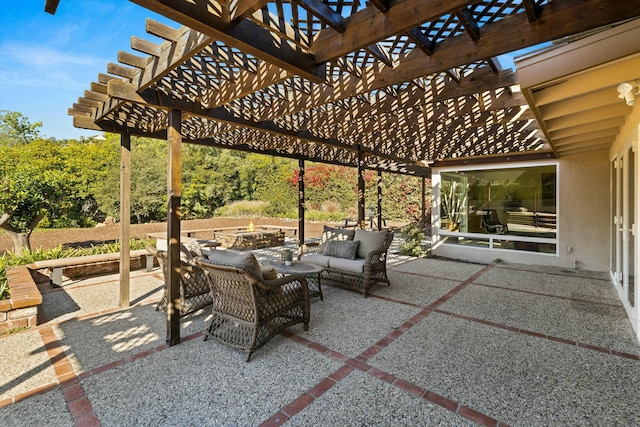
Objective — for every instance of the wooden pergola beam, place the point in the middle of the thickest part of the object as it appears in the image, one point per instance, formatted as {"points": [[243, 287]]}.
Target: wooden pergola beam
{"points": [[244, 35], [324, 13]]}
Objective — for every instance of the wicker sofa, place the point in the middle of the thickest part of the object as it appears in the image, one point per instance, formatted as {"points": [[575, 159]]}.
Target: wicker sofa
{"points": [[353, 259]]}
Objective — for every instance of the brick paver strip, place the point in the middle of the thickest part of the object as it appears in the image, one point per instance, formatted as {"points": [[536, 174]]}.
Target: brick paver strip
{"points": [[74, 394]]}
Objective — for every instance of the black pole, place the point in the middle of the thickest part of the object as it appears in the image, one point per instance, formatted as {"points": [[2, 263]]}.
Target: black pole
{"points": [[300, 204]]}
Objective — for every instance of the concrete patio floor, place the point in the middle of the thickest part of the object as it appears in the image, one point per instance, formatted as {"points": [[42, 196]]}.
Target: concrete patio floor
{"points": [[449, 344]]}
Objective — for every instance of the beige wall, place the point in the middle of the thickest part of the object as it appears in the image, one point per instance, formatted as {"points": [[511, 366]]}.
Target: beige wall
{"points": [[629, 130], [583, 211]]}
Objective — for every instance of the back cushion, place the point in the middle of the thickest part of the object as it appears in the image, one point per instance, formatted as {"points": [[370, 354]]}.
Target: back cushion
{"points": [[369, 241], [245, 260], [332, 233]]}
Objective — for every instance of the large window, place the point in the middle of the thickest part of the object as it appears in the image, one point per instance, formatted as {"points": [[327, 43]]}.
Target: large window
{"points": [[506, 208]]}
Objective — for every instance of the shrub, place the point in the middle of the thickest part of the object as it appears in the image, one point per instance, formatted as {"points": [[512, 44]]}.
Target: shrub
{"points": [[322, 216], [243, 208], [414, 238]]}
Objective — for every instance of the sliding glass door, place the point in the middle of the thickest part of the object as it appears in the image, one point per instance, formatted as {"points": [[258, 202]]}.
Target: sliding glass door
{"points": [[624, 227]]}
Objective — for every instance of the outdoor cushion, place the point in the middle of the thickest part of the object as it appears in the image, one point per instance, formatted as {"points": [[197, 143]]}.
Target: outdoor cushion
{"points": [[351, 265], [268, 272], [318, 259], [332, 233], [342, 249], [369, 241], [245, 260]]}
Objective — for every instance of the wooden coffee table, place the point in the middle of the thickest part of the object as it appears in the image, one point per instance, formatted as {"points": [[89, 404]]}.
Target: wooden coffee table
{"points": [[310, 271]]}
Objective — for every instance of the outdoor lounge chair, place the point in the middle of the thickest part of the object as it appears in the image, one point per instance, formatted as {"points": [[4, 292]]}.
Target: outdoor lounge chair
{"points": [[194, 286], [492, 224], [248, 311]]}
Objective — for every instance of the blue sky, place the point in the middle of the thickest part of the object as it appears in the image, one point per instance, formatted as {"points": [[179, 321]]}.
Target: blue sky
{"points": [[48, 61]]}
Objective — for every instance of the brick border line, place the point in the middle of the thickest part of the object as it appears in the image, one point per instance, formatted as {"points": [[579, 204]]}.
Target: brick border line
{"points": [[74, 394], [506, 267], [360, 363], [540, 335]]}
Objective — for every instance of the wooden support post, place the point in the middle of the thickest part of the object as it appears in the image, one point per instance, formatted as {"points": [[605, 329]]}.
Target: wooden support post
{"points": [[174, 139], [424, 204], [125, 219], [379, 199], [361, 201], [301, 207]]}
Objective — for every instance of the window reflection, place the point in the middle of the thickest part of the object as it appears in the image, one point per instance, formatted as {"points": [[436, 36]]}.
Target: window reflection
{"points": [[502, 202]]}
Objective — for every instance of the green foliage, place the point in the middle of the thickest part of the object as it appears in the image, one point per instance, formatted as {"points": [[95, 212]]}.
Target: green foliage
{"points": [[246, 208], [4, 286], [323, 216], [15, 129], [148, 179], [414, 238], [32, 184]]}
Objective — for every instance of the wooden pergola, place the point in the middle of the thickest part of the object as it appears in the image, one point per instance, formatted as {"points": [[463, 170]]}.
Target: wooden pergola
{"points": [[395, 86]]}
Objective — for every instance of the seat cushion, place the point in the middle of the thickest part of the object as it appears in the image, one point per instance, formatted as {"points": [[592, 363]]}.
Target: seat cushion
{"points": [[351, 265], [369, 241], [246, 260], [318, 259], [342, 249]]}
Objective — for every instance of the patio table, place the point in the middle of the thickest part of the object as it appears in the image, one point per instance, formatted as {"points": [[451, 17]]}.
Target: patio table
{"points": [[310, 271]]}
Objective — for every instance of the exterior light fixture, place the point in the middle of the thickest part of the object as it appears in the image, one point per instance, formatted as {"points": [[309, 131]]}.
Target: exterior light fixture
{"points": [[626, 92]]}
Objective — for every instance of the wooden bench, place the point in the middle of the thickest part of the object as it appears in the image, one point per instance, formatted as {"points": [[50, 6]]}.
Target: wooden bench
{"points": [[57, 265]]}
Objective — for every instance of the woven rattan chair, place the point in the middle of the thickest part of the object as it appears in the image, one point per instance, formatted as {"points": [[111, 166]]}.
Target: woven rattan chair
{"points": [[249, 311], [194, 285]]}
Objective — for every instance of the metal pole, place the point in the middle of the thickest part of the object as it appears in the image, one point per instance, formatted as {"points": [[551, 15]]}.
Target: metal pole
{"points": [[174, 188], [125, 219]]}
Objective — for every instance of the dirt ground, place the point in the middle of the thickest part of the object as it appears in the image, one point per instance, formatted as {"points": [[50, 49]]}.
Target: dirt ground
{"points": [[51, 238]]}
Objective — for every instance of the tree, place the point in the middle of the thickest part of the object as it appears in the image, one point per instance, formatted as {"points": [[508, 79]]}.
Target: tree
{"points": [[32, 186], [15, 129]]}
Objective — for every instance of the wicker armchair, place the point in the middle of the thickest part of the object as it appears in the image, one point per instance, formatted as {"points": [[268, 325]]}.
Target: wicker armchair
{"points": [[194, 286], [248, 311]]}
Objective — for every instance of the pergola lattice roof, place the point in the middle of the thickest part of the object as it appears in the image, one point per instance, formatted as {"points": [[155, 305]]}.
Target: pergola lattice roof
{"points": [[405, 82]]}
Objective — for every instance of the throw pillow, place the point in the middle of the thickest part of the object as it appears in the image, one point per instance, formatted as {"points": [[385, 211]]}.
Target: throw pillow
{"points": [[342, 249], [332, 233], [369, 241]]}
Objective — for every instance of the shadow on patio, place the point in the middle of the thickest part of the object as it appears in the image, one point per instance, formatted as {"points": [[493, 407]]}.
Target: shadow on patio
{"points": [[449, 343]]}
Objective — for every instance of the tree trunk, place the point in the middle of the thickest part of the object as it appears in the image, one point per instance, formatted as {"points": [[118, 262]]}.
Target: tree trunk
{"points": [[21, 241]]}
